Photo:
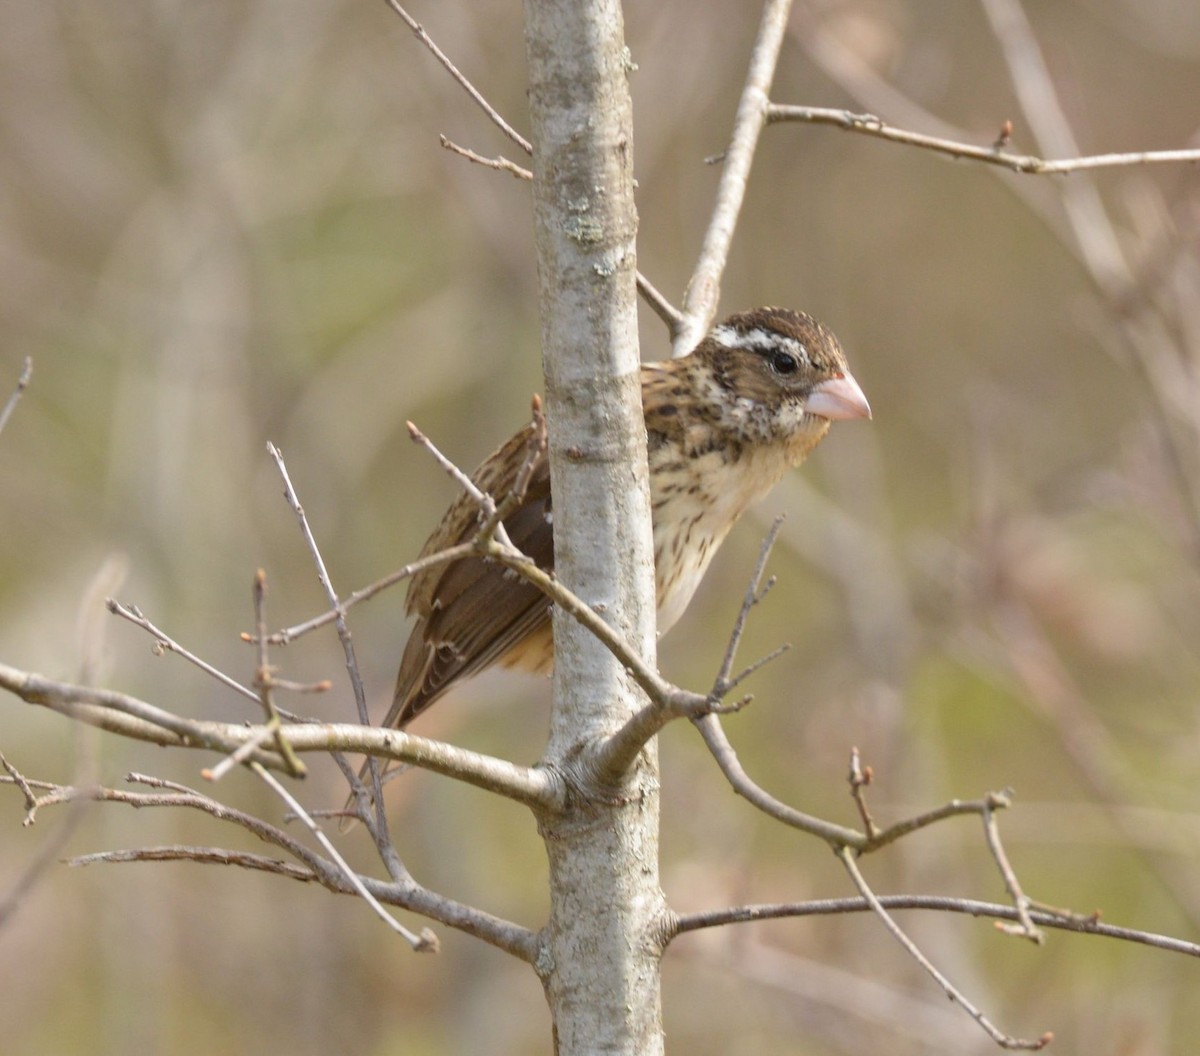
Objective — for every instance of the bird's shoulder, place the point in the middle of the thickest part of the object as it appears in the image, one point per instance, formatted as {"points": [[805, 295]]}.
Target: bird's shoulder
{"points": [[496, 476]]}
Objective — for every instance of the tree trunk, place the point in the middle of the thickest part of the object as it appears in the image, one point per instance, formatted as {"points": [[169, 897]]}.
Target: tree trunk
{"points": [[600, 955]]}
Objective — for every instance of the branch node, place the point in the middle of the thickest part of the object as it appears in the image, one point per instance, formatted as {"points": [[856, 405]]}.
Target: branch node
{"points": [[860, 777], [1004, 137]]}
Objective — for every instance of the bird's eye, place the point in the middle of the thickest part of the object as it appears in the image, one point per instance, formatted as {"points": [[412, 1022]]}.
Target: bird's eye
{"points": [[784, 362]]}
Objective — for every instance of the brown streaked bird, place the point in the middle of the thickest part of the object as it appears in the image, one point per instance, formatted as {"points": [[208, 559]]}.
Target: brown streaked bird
{"points": [[723, 424]]}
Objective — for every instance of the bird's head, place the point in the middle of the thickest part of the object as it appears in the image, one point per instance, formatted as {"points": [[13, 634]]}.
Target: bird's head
{"points": [[778, 374]]}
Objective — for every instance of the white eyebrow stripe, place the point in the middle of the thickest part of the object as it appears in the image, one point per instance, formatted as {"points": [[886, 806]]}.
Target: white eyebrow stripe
{"points": [[759, 339]]}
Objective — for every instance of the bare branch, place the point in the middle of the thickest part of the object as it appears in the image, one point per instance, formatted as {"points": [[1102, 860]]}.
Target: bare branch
{"points": [[380, 828], [423, 943], [646, 675], [500, 164], [165, 643], [722, 751], [404, 894], [134, 718], [860, 777], [241, 754], [870, 125], [22, 782], [669, 702], [126, 715], [263, 677], [1061, 921], [837, 836], [202, 855], [663, 308], [288, 634], [172, 794], [650, 294], [533, 786], [22, 384], [487, 503], [1025, 926], [29, 876], [1088, 232], [323, 575], [704, 287], [466, 85], [755, 592], [956, 808], [1005, 1041]]}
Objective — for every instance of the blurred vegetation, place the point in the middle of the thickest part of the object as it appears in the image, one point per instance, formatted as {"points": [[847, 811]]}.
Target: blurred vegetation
{"points": [[227, 223]]}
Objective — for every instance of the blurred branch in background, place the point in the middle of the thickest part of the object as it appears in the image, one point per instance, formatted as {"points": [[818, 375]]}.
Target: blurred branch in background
{"points": [[996, 154], [22, 384], [1076, 212]]}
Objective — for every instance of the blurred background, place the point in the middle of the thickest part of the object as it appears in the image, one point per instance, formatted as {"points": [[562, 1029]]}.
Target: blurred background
{"points": [[232, 222]]}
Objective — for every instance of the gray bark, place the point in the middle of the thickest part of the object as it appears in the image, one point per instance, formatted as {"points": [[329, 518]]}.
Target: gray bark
{"points": [[600, 954]]}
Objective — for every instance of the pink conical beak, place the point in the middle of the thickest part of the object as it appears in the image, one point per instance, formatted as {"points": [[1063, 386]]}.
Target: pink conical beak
{"points": [[838, 397]]}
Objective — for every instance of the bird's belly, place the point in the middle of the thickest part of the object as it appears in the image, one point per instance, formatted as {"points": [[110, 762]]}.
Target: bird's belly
{"points": [[678, 572], [690, 524]]}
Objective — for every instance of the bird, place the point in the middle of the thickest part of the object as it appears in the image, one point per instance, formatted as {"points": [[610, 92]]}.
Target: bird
{"points": [[723, 425]]}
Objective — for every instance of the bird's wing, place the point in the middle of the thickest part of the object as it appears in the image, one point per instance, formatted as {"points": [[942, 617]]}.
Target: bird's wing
{"points": [[471, 612]]}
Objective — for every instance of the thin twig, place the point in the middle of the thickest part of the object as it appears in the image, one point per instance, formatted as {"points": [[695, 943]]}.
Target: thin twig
{"points": [[487, 504], [956, 808], [380, 829], [860, 777], [1098, 245], [837, 836], [242, 753], [1024, 926], [165, 643], [1056, 919], [995, 154], [288, 686], [326, 583], [675, 700], [426, 942], [173, 794], [405, 894], [661, 306], [1005, 1041], [29, 876], [20, 780], [704, 287], [328, 873], [535, 455], [718, 744], [22, 384], [756, 590], [466, 85], [264, 680], [201, 855], [613, 757], [500, 163], [442, 557]]}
